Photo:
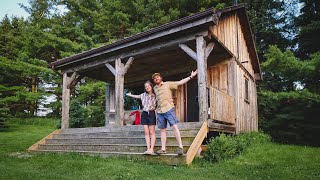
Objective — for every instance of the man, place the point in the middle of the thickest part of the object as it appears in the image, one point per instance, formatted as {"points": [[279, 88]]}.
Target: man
{"points": [[165, 108]]}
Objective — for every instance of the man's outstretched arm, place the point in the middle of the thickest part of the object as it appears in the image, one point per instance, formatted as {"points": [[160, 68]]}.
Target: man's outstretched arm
{"points": [[185, 80]]}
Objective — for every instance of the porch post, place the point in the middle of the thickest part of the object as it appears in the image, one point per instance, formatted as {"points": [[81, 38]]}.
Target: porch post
{"points": [[112, 97], [107, 100], [65, 101], [202, 79], [119, 71], [119, 93], [201, 56], [67, 84]]}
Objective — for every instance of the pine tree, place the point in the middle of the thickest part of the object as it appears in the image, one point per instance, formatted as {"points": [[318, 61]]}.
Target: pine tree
{"points": [[309, 27]]}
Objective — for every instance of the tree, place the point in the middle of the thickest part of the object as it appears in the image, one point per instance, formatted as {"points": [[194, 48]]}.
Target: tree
{"points": [[15, 92], [309, 27], [289, 97], [282, 71]]}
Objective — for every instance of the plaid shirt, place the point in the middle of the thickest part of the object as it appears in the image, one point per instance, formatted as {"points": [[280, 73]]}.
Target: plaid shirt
{"points": [[148, 101]]}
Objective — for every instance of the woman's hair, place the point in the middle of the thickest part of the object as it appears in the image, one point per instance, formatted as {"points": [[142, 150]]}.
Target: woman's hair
{"points": [[148, 82]]}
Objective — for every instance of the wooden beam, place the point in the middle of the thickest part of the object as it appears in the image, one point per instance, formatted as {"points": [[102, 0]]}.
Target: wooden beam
{"points": [[109, 66], [126, 67], [142, 78], [202, 79], [65, 101], [120, 71], [208, 50], [74, 79], [213, 126], [77, 80], [73, 76], [119, 93], [107, 107], [145, 39], [189, 51], [216, 17], [137, 52], [196, 144], [112, 98]]}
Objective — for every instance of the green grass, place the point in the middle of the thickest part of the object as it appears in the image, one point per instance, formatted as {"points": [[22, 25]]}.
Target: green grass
{"points": [[266, 161], [36, 121]]}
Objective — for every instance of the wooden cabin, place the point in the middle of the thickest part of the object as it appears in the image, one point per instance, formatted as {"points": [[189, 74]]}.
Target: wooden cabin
{"points": [[223, 97]]}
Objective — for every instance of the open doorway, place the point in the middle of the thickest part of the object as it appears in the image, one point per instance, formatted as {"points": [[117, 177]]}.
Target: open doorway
{"points": [[192, 101]]}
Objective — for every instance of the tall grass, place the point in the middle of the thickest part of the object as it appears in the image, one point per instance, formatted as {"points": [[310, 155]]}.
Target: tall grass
{"points": [[39, 121]]}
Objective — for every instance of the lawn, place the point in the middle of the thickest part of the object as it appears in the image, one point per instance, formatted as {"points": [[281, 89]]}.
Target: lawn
{"points": [[266, 161]]}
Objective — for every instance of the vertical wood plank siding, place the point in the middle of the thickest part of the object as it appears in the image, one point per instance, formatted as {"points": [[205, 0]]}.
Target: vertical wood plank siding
{"points": [[228, 77]]}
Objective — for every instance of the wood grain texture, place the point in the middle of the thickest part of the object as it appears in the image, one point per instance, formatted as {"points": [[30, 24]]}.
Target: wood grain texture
{"points": [[197, 142], [65, 102], [111, 68], [120, 71], [119, 88], [230, 32], [222, 106], [189, 51], [202, 79]]}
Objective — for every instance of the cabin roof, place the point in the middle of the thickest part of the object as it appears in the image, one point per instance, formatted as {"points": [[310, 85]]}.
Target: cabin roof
{"points": [[191, 21]]}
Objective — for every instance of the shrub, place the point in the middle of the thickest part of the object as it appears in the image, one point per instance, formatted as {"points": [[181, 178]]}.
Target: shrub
{"points": [[77, 115], [227, 146], [94, 116], [3, 118], [290, 117], [89, 116], [3, 124], [254, 137]]}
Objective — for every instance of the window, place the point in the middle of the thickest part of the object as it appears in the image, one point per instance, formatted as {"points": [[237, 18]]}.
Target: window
{"points": [[246, 90]]}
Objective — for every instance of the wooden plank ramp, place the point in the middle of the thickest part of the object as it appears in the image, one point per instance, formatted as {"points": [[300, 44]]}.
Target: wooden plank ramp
{"points": [[125, 141]]}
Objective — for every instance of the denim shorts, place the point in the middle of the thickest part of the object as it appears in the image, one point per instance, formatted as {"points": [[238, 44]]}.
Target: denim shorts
{"points": [[169, 117], [148, 118]]}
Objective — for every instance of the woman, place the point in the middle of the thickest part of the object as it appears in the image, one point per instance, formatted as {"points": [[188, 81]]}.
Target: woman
{"points": [[148, 117]]}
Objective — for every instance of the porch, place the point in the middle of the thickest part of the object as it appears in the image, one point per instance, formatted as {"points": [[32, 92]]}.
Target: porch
{"points": [[174, 55]]}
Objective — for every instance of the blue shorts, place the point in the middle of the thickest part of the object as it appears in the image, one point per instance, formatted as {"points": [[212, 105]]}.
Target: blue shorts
{"points": [[163, 118]]}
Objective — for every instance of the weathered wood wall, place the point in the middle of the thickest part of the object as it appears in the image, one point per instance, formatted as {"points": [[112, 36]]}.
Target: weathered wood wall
{"points": [[222, 106], [229, 32], [180, 103], [247, 110], [229, 76]]}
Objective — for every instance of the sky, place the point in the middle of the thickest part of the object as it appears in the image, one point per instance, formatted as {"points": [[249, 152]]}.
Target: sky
{"points": [[12, 8]]}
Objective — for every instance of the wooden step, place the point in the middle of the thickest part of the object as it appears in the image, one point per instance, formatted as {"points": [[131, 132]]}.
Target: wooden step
{"points": [[191, 132], [106, 147], [169, 158], [182, 126], [115, 140], [124, 141]]}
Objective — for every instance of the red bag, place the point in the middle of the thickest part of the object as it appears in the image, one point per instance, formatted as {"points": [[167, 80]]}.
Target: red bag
{"points": [[138, 120]]}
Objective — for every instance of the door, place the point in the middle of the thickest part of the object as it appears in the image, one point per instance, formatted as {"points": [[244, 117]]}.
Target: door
{"points": [[192, 101]]}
